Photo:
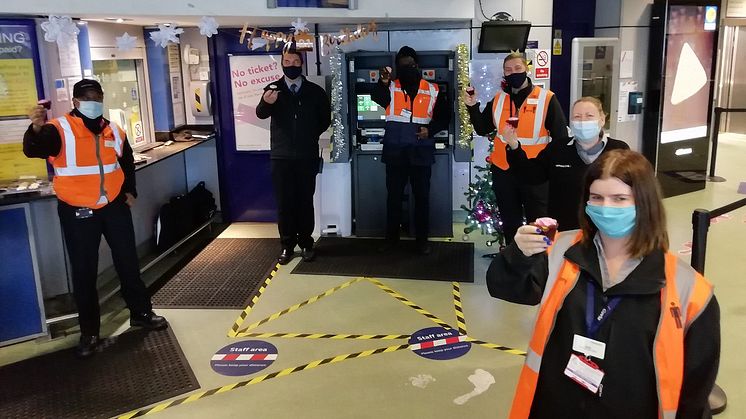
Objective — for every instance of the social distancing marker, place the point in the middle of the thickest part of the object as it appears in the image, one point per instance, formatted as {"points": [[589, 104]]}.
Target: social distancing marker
{"points": [[460, 319], [404, 300], [245, 313], [241, 332], [256, 380]]}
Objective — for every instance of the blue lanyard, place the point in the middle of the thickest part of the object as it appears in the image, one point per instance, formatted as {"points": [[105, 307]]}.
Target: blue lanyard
{"points": [[592, 321]]}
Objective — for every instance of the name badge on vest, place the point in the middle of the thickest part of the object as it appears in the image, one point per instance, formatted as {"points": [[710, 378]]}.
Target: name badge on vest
{"points": [[588, 347], [532, 101], [111, 144], [406, 113], [584, 372]]}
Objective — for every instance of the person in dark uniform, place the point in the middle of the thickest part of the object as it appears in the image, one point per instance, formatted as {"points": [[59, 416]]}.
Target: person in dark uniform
{"points": [[95, 186], [415, 111], [300, 112]]}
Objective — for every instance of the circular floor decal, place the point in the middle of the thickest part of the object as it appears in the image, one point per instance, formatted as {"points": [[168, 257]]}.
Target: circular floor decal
{"points": [[244, 358], [438, 343]]}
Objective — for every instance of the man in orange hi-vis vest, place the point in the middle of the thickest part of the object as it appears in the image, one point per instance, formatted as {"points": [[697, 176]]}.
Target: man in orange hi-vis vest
{"points": [[533, 116], [94, 180]]}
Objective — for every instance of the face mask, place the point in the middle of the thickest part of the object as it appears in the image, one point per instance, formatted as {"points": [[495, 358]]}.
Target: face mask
{"points": [[585, 131], [292, 72], [409, 75], [91, 109], [516, 80], [615, 222]]}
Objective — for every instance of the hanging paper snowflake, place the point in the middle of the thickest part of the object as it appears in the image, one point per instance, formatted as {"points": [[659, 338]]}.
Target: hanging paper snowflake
{"points": [[60, 29], [257, 43], [299, 26], [208, 26], [166, 34], [126, 42]]}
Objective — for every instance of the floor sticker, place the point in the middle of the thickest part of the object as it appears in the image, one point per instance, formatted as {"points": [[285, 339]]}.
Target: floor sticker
{"points": [[244, 358], [482, 380], [439, 344]]}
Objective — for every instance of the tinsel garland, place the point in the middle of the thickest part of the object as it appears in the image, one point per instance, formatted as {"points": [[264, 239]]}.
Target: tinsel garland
{"points": [[338, 128], [462, 58]]}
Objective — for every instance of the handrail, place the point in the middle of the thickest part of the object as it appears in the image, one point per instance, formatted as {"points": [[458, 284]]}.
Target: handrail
{"points": [[701, 225], [714, 135]]}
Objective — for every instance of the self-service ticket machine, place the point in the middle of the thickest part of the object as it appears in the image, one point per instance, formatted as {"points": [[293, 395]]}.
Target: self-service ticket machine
{"points": [[367, 128]]}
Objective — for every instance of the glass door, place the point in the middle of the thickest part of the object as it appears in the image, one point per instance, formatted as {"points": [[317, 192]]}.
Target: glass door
{"points": [[123, 92]]}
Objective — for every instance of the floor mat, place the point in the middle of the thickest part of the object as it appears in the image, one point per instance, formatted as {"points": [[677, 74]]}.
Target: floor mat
{"points": [[226, 274], [449, 261], [136, 369]]}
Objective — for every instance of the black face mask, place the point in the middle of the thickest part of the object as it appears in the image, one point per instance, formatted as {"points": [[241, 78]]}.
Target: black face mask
{"points": [[409, 75], [516, 80], [292, 72]]}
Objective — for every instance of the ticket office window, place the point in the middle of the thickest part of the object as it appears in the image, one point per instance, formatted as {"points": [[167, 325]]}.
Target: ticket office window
{"points": [[124, 100]]}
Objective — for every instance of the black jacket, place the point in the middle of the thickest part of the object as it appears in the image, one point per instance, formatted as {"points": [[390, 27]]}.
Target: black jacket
{"points": [[297, 120], [629, 386], [560, 164], [48, 143], [420, 154], [554, 121]]}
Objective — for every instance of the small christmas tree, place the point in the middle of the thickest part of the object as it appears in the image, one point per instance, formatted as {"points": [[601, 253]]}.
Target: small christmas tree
{"points": [[483, 213]]}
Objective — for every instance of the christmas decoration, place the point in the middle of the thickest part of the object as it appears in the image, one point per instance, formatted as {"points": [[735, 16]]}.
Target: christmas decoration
{"points": [[60, 29], [299, 26], [483, 213], [302, 39], [462, 57], [166, 34], [208, 26], [338, 128], [126, 42]]}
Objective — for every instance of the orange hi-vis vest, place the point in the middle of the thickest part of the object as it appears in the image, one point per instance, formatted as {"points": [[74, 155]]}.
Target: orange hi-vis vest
{"points": [[86, 171], [532, 134], [422, 108], [683, 299]]}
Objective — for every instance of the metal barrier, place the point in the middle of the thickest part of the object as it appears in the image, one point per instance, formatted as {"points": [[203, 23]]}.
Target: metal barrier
{"points": [[714, 133], [701, 225]]}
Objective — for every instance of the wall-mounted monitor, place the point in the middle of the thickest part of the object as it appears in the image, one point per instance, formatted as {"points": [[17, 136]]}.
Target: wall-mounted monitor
{"points": [[504, 36]]}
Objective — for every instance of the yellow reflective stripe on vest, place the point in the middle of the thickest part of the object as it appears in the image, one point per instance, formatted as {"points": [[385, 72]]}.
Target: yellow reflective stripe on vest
{"points": [[67, 138], [539, 115], [84, 170], [498, 112]]}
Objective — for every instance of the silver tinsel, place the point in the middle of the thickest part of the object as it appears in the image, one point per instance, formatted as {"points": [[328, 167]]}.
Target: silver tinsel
{"points": [[338, 128]]}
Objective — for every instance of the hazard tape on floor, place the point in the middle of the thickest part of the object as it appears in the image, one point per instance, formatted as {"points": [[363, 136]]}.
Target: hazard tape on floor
{"points": [[497, 347], [242, 332], [259, 379], [323, 336], [410, 304], [460, 319], [245, 313]]}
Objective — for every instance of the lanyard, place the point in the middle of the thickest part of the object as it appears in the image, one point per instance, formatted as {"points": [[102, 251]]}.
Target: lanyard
{"points": [[592, 324]]}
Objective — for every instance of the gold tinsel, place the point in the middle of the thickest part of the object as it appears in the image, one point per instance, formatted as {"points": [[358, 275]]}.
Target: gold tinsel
{"points": [[462, 58]]}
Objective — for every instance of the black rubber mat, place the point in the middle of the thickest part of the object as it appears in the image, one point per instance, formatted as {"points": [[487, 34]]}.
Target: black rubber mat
{"points": [[449, 261], [136, 369], [226, 274]]}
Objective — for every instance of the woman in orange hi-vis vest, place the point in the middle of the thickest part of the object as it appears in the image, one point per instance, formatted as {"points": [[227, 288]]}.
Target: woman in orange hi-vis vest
{"points": [[624, 329], [539, 119]]}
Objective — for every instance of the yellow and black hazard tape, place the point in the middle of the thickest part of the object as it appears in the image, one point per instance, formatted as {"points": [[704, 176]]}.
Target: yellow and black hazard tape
{"points": [[410, 304], [256, 380], [242, 332], [497, 347], [323, 336], [241, 317], [460, 319]]}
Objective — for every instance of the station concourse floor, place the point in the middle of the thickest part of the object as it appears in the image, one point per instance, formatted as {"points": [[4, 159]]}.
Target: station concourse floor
{"points": [[400, 384]]}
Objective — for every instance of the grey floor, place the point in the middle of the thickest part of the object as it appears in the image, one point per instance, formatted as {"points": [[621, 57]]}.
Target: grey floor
{"points": [[401, 384]]}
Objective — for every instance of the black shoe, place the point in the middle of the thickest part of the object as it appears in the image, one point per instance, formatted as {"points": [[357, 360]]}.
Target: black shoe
{"points": [[424, 248], [286, 256], [87, 346], [308, 254], [388, 246], [149, 321]]}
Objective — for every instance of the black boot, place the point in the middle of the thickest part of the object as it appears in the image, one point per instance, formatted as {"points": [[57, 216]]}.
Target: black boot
{"points": [[148, 320], [308, 254], [87, 346], [286, 256]]}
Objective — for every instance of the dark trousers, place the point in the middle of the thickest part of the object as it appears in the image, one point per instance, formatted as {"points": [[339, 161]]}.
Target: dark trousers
{"points": [[82, 238], [294, 182], [396, 180], [516, 199]]}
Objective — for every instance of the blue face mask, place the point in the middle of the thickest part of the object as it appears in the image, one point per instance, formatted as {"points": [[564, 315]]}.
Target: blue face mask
{"points": [[585, 131], [615, 222], [91, 109]]}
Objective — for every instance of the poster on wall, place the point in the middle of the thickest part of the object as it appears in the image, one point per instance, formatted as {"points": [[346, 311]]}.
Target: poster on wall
{"points": [[17, 77], [249, 75]]}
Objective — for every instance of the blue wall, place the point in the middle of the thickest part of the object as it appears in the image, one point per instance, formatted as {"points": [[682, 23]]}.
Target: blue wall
{"points": [[160, 84]]}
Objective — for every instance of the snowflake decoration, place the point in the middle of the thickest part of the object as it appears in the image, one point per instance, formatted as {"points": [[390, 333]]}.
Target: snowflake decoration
{"points": [[126, 42], [299, 26], [257, 43], [208, 26], [60, 29], [166, 34]]}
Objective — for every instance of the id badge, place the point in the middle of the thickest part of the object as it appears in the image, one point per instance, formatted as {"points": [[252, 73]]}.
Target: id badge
{"points": [[588, 347], [584, 372], [406, 113], [532, 101], [83, 213]]}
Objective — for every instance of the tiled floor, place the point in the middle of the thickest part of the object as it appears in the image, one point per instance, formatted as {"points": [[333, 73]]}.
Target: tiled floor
{"points": [[382, 385]]}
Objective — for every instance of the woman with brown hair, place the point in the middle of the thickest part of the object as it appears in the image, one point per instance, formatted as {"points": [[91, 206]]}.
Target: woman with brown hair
{"points": [[625, 329]]}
